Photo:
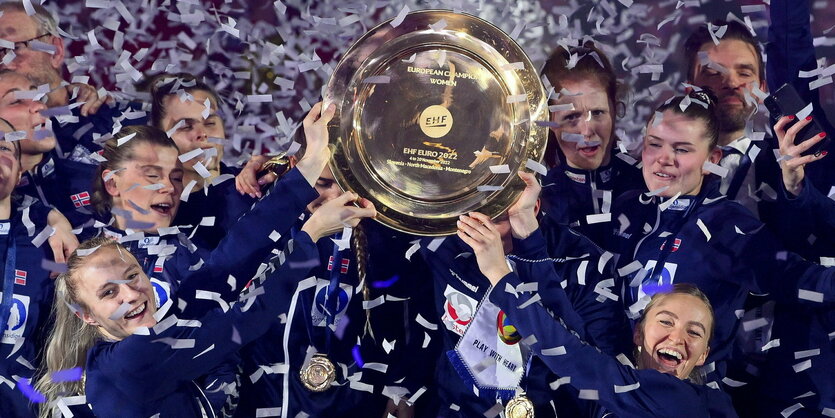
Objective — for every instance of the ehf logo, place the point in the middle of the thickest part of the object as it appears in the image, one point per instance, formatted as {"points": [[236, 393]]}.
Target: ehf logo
{"points": [[80, 199]]}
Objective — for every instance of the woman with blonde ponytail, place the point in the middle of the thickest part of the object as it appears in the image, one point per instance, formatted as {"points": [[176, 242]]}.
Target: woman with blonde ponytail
{"points": [[70, 340], [106, 323]]}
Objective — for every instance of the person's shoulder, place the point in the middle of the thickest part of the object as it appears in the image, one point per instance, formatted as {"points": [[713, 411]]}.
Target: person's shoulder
{"points": [[720, 209]]}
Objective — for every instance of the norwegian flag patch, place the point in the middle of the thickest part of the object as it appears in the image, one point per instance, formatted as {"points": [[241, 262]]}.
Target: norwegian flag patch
{"points": [[20, 277], [343, 265], [80, 199]]}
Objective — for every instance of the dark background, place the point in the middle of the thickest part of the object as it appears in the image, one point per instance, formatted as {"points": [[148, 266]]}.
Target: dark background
{"points": [[322, 30]]}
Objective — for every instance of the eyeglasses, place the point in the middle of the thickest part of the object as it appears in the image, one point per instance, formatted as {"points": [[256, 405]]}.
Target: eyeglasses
{"points": [[20, 45]]}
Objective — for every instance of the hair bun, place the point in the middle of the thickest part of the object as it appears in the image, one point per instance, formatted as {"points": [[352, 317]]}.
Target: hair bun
{"points": [[704, 95]]}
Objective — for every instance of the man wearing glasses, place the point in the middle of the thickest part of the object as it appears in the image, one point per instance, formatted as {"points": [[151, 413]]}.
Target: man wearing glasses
{"points": [[31, 46]]}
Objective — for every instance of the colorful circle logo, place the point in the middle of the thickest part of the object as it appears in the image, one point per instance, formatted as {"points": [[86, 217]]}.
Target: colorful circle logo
{"points": [[507, 332]]}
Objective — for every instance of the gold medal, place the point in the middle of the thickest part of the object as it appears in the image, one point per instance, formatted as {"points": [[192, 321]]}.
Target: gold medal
{"points": [[519, 407], [318, 375]]}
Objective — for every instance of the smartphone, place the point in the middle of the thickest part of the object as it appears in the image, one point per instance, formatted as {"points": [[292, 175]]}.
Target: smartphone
{"points": [[785, 101]]}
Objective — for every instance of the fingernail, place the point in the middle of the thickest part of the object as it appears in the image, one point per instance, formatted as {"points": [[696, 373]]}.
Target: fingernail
{"points": [[823, 153], [822, 134], [791, 117], [261, 181], [809, 117]]}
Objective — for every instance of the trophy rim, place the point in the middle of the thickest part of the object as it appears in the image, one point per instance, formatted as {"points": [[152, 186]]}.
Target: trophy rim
{"points": [[493, 203]]}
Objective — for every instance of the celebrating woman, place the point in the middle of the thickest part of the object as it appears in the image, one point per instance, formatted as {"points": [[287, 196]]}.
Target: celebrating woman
{"points": [[588, 171], [189, 111], [671, 338], [140, 184], [135, 366], [684, 230]]}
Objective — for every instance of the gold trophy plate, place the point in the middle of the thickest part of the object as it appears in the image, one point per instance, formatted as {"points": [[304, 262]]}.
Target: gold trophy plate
{"points": [[434, 117]]}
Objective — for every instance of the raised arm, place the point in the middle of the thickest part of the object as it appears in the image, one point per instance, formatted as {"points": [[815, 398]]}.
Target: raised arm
{"points": [[619, 388]]}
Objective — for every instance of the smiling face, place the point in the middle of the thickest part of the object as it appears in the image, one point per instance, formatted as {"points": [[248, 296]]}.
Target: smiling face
{"points": [[743, 73], [195, 130], [674, 335], [592, 119], [674, 154], [23, 114], [9, 168], [148, 186], [109, 279]]}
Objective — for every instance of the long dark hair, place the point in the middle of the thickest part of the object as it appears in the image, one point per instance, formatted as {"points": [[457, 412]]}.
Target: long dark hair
{"points": [[701, 105]]}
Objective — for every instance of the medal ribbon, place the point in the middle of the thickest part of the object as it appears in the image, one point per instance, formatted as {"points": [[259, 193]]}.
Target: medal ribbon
{"points": [[8, 280], [333, 287]]}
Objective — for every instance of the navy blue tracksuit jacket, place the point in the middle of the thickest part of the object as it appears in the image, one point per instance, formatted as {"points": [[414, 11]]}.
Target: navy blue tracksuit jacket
{"points": [[143, 375], [722, 249], [603, 377], [460, 286], [271, 365], [25, 330]]}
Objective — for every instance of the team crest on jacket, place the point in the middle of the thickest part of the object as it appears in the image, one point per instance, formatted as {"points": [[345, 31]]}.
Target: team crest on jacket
{"points": [[16, 323], [330, 306], [79, 200], [662, 281], [459, 310], [162, 290]]}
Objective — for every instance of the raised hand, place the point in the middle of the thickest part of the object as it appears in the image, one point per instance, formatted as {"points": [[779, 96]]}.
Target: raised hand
{"points": [[247, 181], [792, 168], [480, 233], [523, 213], [317, 153], [337, 213]]}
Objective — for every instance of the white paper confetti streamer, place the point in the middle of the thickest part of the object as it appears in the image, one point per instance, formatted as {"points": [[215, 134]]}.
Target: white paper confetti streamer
{"points": [[561, 107], [42, 236], [803, 113], [715, 169], [803, 365], [598, 218], [426, 324], [555, 351], [176, 343], [500, 169], [378, 79], [536, 167], [806, 353], [400, 16], [627, 388], [487, 188], [771, 344], [809, 295]]}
